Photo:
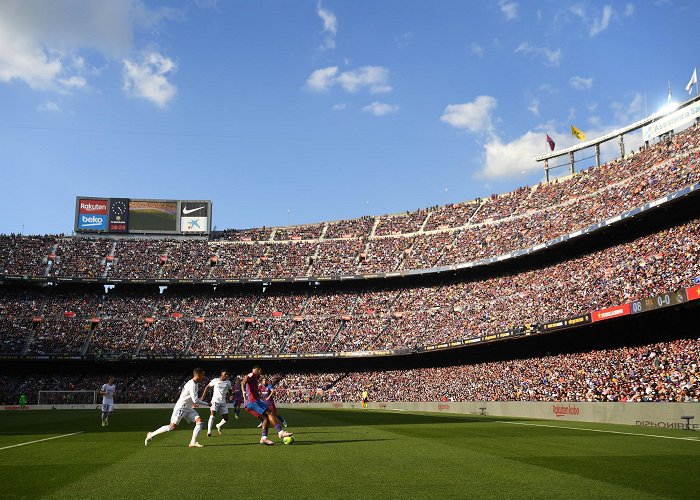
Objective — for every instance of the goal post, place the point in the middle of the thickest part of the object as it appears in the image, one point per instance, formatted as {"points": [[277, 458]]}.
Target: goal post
{"points": [[67, 398]]}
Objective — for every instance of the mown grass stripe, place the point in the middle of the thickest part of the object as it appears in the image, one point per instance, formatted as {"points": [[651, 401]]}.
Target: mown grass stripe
{"points": [[40, 440]]}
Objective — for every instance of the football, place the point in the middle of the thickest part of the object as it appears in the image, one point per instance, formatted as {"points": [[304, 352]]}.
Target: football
{"points": [[288, 440]]}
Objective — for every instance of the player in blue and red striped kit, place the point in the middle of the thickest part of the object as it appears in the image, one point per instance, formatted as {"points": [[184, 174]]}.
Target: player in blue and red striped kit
{"points": [[258, 408], [237, 399], [267, 393]]}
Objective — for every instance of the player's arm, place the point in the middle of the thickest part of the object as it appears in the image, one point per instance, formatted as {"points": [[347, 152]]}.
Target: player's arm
{"points": [[195, 399], [272, 392], [243, 383], [204, 394], [102, 391]]}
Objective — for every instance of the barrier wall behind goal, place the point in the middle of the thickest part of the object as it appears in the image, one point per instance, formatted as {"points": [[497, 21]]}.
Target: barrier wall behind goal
{"points": [[661, 415]]}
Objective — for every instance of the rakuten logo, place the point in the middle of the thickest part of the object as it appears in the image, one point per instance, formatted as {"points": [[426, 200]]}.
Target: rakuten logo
{"points": [[93, 207]]}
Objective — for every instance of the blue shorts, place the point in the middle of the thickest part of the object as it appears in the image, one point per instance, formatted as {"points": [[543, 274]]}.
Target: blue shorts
{"points": [[256, 408]]}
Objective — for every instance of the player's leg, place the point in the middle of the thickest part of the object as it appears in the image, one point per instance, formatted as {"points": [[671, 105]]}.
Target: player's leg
{"points": [[237, 409], [110, 409], [212, 417], [272, 419], [257, 409], [198, 426], [224, 418], [174, 421], [104, 414]]}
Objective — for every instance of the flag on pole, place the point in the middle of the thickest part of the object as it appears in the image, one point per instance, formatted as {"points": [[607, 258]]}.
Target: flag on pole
{"points": [[550, 142], [577, 133], [693, 81]]}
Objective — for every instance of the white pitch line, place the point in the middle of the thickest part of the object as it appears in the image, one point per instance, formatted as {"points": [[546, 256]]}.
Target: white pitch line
{"points": [[598, 430], [40, 440]]}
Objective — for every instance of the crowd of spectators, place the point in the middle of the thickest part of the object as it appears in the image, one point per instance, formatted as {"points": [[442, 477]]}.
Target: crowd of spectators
{"points": [[660, 372], [318, 319], [437, 236]]}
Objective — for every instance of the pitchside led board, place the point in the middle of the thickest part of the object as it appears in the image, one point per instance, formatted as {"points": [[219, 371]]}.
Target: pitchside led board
{"points": [[130, 216]]}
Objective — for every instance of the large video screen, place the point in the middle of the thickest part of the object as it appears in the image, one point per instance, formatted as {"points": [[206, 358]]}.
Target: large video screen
{"points": [[126, 215], [151, 215]]}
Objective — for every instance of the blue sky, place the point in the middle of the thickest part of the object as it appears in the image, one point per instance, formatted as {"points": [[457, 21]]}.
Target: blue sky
{"points": [[295, 112]]}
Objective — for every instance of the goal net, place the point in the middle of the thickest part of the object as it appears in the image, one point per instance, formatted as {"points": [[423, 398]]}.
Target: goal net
{"points": [[67, 398]]}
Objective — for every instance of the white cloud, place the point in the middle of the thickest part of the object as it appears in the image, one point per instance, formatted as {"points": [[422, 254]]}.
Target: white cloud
{"points": [[629, 10], [45, 44], [551, 57], [322, 79], [600, 25], [330, 26], [339, 106], [73, 82], [509, 159], [49, 107], [534, 107], [373, 78], [581, 83], [148, 78], [477, 50], [509, 9], [546, 87], [380, 108], [630, 112], [473, 116]]}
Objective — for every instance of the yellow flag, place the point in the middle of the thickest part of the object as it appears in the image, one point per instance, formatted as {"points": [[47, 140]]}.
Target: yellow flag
{"points": [[578, 133]]}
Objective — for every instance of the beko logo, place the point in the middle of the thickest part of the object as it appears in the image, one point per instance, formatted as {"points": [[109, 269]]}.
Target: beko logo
{"points": [[91, 220]]}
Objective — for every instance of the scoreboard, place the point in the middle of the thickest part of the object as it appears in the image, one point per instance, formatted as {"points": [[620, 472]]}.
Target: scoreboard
{"points": [[140, 216]]}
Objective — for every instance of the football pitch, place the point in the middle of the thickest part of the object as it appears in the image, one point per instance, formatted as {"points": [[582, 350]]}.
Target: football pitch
{"points": [[342, 454]]}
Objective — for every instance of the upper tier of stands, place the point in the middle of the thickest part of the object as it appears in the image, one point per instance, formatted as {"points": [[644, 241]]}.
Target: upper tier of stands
{"points": [[438, 236], [140, 321]]}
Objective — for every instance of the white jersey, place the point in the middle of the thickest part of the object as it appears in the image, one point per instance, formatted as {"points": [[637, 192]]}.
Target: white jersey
{"points": [[108, 396], [189, 397], [221, 390]]}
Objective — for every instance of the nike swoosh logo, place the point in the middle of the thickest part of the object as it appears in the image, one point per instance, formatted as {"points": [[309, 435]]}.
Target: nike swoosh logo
{"points": [[185, 211]]}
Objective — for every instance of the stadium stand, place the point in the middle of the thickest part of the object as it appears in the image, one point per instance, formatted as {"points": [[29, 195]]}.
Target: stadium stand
{"points": [[662, 371], [438, 236]]}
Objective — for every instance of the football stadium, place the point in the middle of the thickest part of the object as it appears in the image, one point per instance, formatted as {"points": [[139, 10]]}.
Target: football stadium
{"points": [[539, 342]]}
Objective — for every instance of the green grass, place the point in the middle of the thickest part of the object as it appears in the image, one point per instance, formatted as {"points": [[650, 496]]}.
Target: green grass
{"points": [[343, 454]]}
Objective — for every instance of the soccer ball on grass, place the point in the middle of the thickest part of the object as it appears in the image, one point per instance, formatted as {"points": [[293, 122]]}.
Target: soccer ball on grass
{"points": [[288, 440]]}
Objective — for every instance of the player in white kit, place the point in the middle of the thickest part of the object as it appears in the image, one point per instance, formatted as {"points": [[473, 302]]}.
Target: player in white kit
{"points": [[184, 409], [222, 388], [107, 392]]}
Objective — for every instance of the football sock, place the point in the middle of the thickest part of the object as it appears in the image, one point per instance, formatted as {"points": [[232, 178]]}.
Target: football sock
{"points": [[281, 419], [264, 433], [221, 424], [195, 432], [160, 430], [278, 427], [210, 424]]}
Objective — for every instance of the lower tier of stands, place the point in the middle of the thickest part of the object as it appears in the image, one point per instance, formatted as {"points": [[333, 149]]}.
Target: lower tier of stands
{"points": [[666, 371]]}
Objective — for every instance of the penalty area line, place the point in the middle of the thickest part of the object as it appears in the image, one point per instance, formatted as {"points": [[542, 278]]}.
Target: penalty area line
{"points": [[598, 430], [40, 440]]}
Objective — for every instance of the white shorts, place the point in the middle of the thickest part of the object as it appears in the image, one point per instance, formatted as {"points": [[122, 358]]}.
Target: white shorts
{"points": [[189, 414], [107, 407], [219, 406]]}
